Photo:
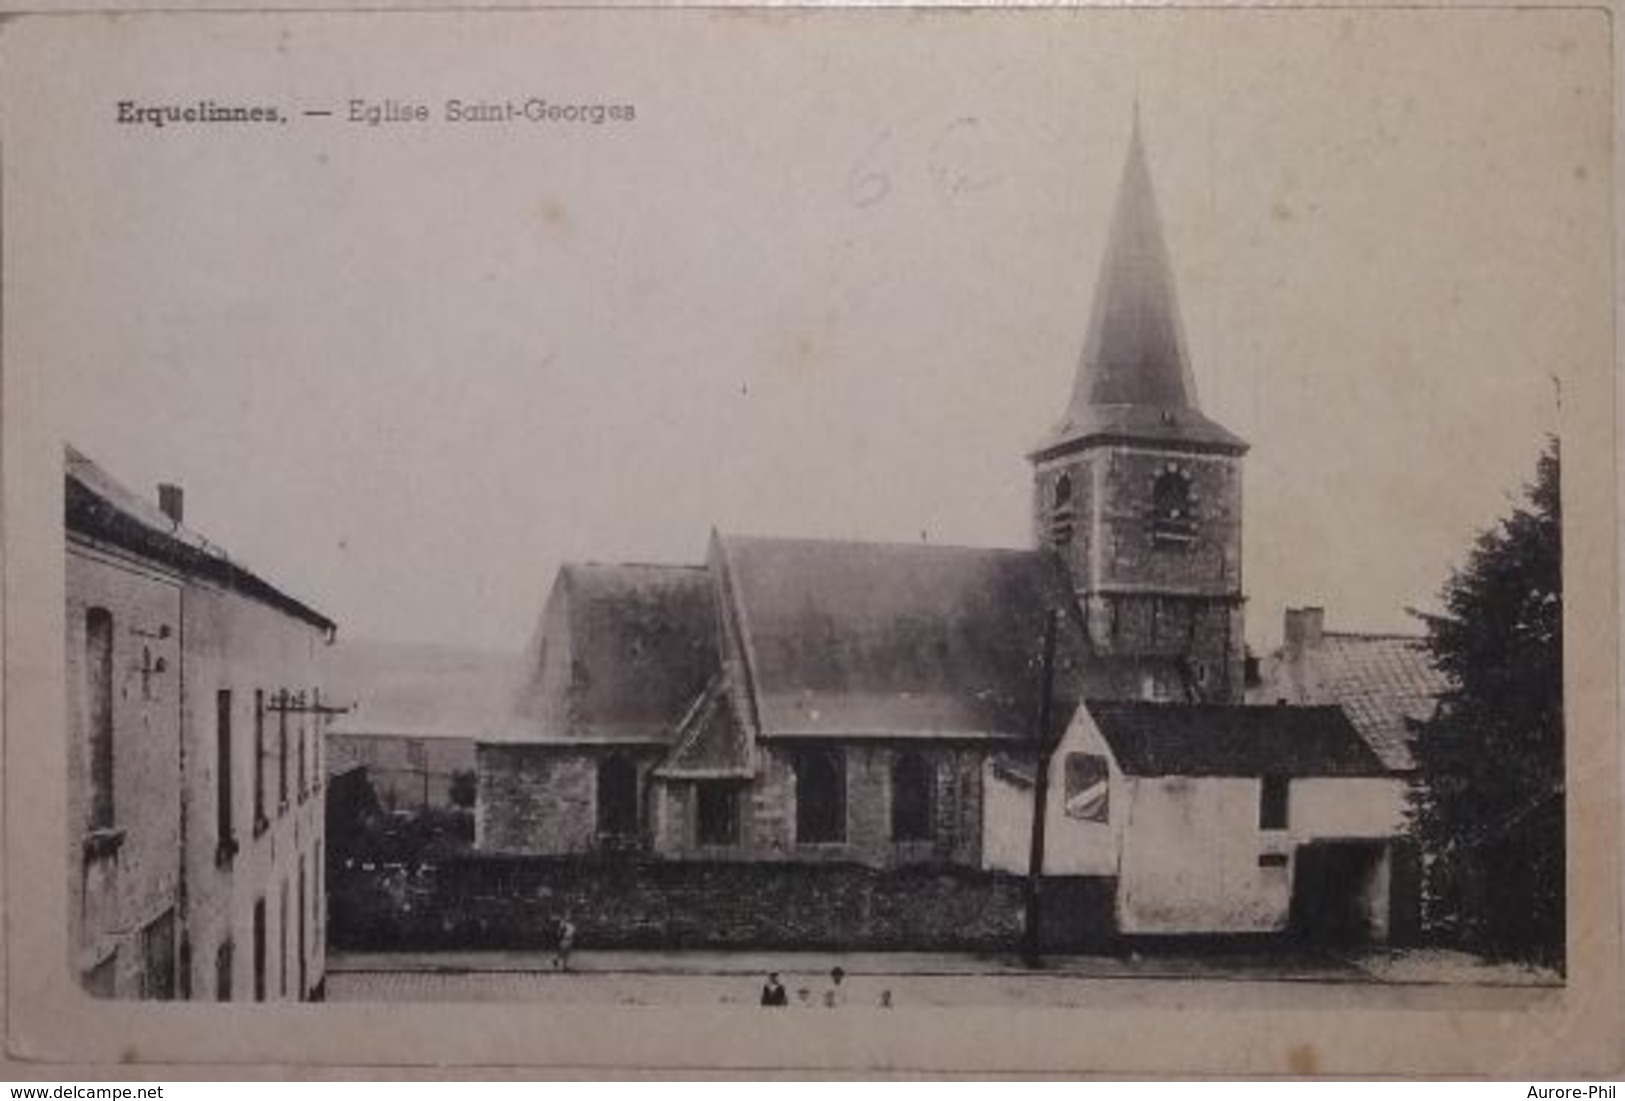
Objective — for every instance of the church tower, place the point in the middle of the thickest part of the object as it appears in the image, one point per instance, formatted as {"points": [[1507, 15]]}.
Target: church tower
{"points": [[1136, 489]]}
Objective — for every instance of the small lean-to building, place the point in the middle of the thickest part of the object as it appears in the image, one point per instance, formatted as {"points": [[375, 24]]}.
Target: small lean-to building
{"points": [[1215, 820], [195, 759]]}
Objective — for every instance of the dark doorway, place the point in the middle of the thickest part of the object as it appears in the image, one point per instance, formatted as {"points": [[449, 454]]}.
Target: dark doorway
{"points": [[259, 949], [1339, 892], [158, 958], [718, 813]]}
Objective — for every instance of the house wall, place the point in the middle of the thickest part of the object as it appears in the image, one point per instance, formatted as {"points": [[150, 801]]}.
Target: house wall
{"points": [[1186, 849], [132, 879], [1326, 807], [1190, 859], [1072, 846], [171, 858], [1191, 850], [241, 645]]}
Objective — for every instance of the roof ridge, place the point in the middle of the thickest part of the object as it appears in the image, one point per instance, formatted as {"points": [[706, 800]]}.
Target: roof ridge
{"points": [[590, 564], [112, 511], [1375, 636], [881, 544]]}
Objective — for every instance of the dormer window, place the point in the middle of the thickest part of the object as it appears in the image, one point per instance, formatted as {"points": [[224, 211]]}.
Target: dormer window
{"points": [[1061, 515], [1173, 515]]}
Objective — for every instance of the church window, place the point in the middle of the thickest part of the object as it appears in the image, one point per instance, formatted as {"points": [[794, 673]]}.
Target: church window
{"points": [[617, 797], [820, 796], [1173, 518], [1061, 515], [913, 787]]}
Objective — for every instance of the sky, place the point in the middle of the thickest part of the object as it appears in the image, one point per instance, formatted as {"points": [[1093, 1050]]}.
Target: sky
{"points": [[833, 281]]}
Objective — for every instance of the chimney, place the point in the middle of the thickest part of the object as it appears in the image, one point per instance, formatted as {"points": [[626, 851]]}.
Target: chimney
{"points": [[171, 501], [1303, 628]]}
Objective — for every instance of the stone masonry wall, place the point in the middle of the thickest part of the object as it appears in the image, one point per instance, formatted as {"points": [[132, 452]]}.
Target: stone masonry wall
{"points": [[514, 903], [1145, 596], [536, 801], [543, 800]]}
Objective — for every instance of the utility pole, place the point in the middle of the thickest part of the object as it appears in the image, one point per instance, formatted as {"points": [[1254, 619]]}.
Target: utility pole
{"points": [[1046, 749]]}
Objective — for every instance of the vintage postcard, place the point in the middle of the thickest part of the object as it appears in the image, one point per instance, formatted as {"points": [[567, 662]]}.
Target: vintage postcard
{"points": [[1050, 541]]}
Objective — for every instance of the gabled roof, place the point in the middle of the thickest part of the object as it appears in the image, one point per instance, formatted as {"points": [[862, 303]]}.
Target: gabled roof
{"points": [[894, 640], [1134, 379], [1149, 739], [711, 743], [98, 507], [620, 656], [1384, 682]]}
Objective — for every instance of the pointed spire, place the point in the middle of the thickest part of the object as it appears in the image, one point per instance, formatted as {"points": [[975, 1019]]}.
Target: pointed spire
{"points": [[1134, 378], [1135, 351]]}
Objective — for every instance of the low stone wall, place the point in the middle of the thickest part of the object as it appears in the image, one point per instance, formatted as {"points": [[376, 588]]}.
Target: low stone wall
{"points": [[491, 902]]}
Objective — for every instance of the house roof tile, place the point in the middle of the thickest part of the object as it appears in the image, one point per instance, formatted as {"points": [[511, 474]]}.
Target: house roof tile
{"points": [[1151, 739]]}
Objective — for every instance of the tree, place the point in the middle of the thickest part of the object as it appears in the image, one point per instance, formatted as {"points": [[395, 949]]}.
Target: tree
{"points": [[1489, 808], [464, 788]]}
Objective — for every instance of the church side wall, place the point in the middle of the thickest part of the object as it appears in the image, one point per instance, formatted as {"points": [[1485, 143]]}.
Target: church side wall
{"points": [[542, 800], [534, 799]]}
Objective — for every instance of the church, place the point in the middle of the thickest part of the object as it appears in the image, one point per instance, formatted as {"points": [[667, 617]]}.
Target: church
{"points": [[808, 702]]}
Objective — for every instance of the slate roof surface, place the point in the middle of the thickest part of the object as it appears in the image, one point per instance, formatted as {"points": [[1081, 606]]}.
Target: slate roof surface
{"points": [[1384, 682], [97, 506], [1150, 739], [621, 658], [894, 640]]}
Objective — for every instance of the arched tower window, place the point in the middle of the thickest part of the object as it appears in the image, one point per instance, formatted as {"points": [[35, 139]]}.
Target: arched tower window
{"points": [[1061, 511], [617, 797], [913, 791], [99, 706], [1173, 518]]}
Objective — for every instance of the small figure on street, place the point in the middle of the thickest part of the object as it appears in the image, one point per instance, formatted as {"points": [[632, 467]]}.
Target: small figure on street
{"points": [[567, 942], [835, 996], [885, 999], [774, 993]]}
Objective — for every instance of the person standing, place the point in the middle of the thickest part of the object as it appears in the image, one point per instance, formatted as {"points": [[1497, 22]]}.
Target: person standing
{"points": [[567, 943], [835, 996], [773, 993]]}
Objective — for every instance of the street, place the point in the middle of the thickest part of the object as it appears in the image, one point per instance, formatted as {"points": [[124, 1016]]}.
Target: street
{"points": [[1415, 980]]}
